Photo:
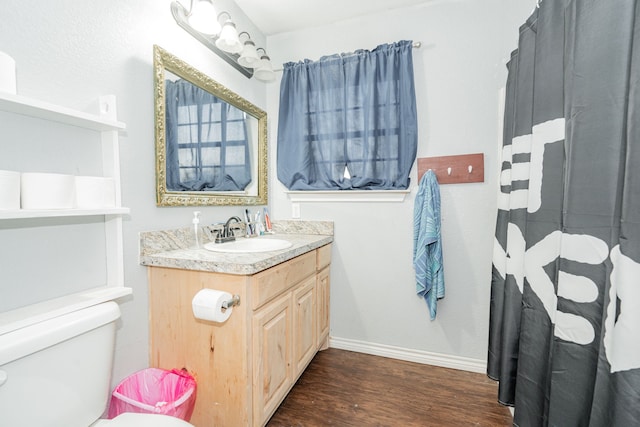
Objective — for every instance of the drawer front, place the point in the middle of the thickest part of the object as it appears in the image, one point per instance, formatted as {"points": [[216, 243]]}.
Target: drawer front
{"points": [[272, 282], [324, 256]]}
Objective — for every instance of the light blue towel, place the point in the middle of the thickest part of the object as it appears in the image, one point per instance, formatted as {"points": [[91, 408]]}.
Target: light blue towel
{"points": [[427, 242]]}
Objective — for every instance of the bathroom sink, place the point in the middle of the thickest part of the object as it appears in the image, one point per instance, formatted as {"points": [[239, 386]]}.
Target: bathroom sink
{"points": [[245, 245]]}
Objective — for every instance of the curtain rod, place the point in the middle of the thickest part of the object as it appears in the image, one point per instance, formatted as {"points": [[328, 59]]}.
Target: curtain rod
{"points": [[415, 45]]}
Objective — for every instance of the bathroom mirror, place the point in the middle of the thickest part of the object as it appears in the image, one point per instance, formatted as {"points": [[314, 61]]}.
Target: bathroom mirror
{"points": [[211, 144]]}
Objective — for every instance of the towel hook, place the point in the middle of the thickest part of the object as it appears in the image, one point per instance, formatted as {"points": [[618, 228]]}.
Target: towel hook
{"points": [[470, 168], [448, 171]]}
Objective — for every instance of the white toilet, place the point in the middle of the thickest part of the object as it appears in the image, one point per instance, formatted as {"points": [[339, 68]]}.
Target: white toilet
{"points": [[57, 373]]}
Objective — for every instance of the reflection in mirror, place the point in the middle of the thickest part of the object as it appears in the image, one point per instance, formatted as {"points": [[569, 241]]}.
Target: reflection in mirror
{"points": [[207, 140], [211, 146]]}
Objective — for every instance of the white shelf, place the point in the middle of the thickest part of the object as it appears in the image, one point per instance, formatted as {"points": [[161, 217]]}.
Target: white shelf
{"points": [[35, 313], [106, 123], [44, 110], [32, 213]]}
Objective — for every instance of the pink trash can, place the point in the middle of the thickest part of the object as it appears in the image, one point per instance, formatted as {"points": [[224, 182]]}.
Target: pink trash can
{"points": [[155, 391]]}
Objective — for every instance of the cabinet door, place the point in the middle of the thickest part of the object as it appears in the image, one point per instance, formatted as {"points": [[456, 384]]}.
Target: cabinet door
{"points": [[304, 324], [272, 372], [322, 306]]}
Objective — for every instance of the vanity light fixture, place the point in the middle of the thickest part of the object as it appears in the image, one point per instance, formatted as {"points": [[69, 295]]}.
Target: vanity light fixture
{"points": [[264, 71], [223, 39]]}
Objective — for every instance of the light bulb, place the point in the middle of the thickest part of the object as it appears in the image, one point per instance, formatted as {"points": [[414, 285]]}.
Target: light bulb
{"points": [[203, 17], [249, 57], [264, 70], [228, 40]]}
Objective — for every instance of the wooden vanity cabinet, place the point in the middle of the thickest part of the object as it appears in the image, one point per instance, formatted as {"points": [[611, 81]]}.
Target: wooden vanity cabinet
{"points": [[246, 366]]}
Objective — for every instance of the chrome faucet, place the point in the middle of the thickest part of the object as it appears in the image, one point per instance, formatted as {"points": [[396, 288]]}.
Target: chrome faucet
{"points": [[226, 234]]}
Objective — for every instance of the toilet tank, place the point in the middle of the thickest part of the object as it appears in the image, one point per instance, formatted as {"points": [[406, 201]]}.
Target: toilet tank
{"points": [[57, 373]]}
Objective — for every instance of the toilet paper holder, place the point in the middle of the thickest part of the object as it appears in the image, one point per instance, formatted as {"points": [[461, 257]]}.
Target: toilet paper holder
{"points": [[235, 300]]}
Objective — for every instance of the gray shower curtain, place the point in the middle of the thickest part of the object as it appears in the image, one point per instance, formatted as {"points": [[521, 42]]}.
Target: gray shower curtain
{"points": [[564, 338]]}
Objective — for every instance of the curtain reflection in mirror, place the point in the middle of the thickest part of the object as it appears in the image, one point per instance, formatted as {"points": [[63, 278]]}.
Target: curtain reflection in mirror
{"points": [[207, 141]]}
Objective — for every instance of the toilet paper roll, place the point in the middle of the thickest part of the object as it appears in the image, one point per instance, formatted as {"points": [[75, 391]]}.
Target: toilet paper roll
{"points": [[93, 192], [7, 74], [207, 305], [41, 190]]}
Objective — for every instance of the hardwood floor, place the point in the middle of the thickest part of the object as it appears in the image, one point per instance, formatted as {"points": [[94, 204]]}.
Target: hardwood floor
{"points": [[344, 388]]}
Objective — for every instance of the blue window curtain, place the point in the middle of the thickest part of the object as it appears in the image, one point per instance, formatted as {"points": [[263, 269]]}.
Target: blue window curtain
{"points": [[348, 122], [207, 144]]}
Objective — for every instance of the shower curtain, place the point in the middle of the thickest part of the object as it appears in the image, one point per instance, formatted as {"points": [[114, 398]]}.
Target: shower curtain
{"points": [[564, 338]]}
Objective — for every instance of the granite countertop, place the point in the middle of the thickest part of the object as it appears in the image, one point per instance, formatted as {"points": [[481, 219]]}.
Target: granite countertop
{"points": [[171, 248]]}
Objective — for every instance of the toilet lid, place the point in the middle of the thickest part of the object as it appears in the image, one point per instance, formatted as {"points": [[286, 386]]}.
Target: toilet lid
{"points": [[144, 420]]}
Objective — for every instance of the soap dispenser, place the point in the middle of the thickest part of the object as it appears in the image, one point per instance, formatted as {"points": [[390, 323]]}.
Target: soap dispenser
{"points": [[197, 232]]}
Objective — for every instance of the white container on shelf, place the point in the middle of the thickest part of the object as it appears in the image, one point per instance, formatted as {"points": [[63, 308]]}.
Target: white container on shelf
{"points": [[95, 192], [47, 191], [9, 190], [7, 74]]}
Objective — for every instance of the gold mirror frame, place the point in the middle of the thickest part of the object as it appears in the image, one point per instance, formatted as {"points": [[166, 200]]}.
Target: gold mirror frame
{"points": [[163, 60]]}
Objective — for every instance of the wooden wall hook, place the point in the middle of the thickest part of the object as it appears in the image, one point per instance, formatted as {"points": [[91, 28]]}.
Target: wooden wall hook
{"points": [[459, 169]]}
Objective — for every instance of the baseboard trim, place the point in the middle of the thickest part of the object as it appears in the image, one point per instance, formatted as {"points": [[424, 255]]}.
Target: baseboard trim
{"points": [[418, 356]]}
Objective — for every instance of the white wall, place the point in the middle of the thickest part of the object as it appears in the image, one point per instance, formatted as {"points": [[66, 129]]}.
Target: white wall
{"points": [[458, 73], [70, 52]]}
